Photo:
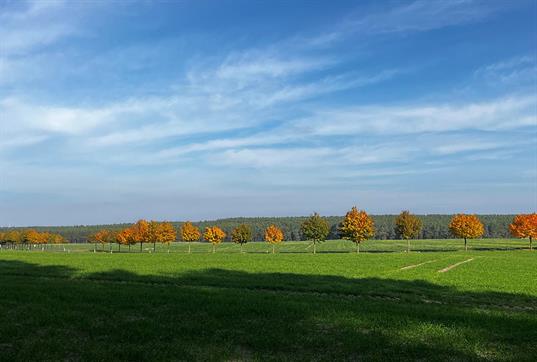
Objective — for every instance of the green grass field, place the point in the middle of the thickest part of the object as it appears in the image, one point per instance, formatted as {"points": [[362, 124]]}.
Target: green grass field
{"points": [[335, 305], [333, 246]]}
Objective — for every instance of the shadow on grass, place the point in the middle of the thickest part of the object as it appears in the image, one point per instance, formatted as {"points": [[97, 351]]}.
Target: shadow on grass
{"points": [[54, 312]]}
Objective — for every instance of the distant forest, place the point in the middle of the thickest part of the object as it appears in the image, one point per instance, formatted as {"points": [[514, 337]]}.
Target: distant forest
{"points": [[434, 227]]}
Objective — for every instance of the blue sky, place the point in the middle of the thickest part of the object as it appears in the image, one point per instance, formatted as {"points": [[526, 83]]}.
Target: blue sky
{"points": [[114, 111]]}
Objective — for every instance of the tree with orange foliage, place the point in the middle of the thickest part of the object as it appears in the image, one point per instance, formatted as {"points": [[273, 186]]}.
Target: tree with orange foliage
{"points": [[357, 226], [524, 226], [140, 232], [166, 233], [55, 239], [153, 233], [101, 237], [31, 237], [466, 227], [214, 235], [123, 237], [189, 233], [273, 235], [13, 237]]}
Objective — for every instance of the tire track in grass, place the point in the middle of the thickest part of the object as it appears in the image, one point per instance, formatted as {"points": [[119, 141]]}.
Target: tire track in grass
{"points": [[448, 268], [417, 265]]}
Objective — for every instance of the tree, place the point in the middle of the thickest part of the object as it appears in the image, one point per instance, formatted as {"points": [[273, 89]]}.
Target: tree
{"points": [[241, 235], [13, 237], [101, 237], [123, 237], [189, 233], [407, 226], [466, 227], [140, 232], [357, 226], [214, 235], [55, 239], [316, 229], [524, 226], [31, 237], [273, 235], [166, 233]]}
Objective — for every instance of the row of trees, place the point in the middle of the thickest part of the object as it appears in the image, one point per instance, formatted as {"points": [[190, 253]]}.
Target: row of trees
{"points": [[164, 232], [433, 227], [356, 226], [29, 237]]}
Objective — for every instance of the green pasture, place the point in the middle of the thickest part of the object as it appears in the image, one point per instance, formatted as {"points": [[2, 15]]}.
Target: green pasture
{"points": [[331, 246], [441, 303]]}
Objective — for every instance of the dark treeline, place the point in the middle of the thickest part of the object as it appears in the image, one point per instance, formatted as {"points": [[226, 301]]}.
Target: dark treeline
{"points": [[434, 227]]}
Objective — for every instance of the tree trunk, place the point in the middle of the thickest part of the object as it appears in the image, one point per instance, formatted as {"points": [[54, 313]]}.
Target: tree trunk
{"points": [[119, 247], [94, 248], [214, 248], [465, 245], [531, 248], [273, 248], [241, 249], [129, 247], [110, 245], [168, 248], [189, 247], [357, 248], [314, 250], [154, 246], [141, 243], [408, 245]]}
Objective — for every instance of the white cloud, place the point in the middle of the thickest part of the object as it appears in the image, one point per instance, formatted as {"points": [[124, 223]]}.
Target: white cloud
{"points": [[504, 113], [417, 16], [33, 24], [517, 71], [466, 146]]}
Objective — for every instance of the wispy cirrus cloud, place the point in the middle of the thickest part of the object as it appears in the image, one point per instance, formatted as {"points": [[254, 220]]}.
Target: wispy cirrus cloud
{"points": [[410, 17], [514, 71], [496, 114]]}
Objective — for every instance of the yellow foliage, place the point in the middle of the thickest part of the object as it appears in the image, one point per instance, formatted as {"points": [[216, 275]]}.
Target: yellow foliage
{"points": [[466, 226], [357, 226], [273, 234], [214, 235], [190, 232], [166, 233]]}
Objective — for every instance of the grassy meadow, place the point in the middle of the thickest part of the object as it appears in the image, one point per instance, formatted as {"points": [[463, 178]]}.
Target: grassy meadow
{"points": [[438, 302]]}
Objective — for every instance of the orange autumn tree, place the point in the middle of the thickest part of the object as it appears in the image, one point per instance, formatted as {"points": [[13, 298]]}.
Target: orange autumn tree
{"points": [[214, 235], [189, 233], [524, 226], [31, 237], [102, 236], [466, 227], [13, 237], [357, 226], [140, 233], [166, 233], [123, 237], [273, 235]]}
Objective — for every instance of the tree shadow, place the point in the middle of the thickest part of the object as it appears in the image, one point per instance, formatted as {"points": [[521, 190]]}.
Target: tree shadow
{"points": [[56, 312]]}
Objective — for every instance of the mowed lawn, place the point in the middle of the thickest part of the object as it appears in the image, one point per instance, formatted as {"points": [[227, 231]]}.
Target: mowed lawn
{"points": [[258, 306]]}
